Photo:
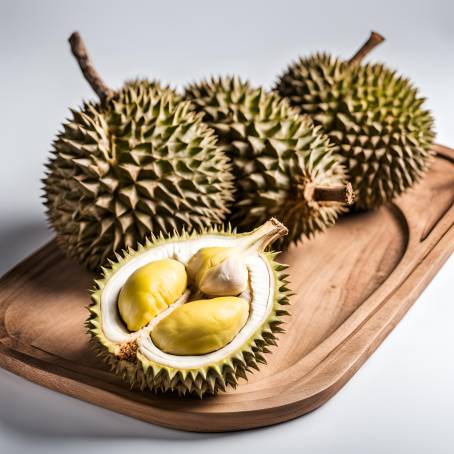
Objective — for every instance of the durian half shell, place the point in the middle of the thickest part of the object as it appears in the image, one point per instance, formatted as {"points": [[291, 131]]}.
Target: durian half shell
{"points": [[133, 355]]}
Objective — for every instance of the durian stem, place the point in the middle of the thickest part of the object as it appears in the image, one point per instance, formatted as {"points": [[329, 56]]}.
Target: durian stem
{"points": [[88, 70], [267, 233], [374, 40], [341, 193]]}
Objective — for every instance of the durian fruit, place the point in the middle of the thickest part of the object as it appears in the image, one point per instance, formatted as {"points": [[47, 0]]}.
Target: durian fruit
{"points": [[283, 166], [374, 116], [138, 161], [193, 343]]}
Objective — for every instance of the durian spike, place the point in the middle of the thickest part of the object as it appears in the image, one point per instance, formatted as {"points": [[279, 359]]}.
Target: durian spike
{"points": [[340, 193], [88, 70], [374, 40]]}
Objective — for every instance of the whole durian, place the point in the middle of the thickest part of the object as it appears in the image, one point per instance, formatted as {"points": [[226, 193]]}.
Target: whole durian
{"points": [[282, 164], [159, 333], [138, 161], [374, 116]]}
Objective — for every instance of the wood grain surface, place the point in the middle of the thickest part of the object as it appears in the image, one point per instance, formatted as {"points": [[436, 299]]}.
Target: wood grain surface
{"points": [[352, 284]]}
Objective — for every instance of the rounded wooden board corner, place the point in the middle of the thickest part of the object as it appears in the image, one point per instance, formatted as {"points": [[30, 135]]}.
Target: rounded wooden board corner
{"points": [[352, 284]]}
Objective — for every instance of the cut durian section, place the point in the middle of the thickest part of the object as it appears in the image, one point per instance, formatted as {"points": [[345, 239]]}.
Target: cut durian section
{"points": [[192, 346]]}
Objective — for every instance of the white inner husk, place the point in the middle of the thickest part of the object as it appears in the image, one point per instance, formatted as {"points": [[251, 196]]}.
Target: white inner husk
{"points": [[259, 294]]}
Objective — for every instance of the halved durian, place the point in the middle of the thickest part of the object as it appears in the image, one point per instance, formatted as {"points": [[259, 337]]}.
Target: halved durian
{"points": [[242, 339]]}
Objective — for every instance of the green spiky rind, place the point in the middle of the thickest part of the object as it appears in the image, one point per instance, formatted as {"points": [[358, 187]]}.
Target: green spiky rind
{"points": [[384, 134], [275, 152], [141, 162], [373, 115], [144, 374], [315, 85]]}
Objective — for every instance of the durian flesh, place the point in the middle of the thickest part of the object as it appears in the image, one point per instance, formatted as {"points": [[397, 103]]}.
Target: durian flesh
{"points": [[218, 271], [222, 271], [201, 326], [150, 290], [203, 368]]}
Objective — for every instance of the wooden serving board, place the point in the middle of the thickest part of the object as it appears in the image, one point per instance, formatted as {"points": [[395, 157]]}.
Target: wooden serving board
{"points": [[352, 286]]}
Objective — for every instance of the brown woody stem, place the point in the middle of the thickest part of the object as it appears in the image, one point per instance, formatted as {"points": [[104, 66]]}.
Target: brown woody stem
{"points": [[374, 40], [341, 193], [88, 70]]}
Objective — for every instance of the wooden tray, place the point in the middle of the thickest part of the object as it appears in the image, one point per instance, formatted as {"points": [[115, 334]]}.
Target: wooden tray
{"points": [[353, 285]]}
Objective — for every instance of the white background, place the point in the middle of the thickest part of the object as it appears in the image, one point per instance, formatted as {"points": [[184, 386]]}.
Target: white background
{"points": [[402, 399]]}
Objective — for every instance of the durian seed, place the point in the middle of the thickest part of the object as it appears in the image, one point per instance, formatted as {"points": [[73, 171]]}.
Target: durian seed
{"points": [[222, 271], [201, 326]]}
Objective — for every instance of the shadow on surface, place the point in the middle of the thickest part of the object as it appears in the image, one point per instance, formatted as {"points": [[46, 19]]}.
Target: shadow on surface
{"points": [[35, 411], [20, 239]]}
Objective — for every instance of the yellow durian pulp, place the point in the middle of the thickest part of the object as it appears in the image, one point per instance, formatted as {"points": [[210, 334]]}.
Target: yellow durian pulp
{"points": [[222, 271], [150, 290], [201, 326]]}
